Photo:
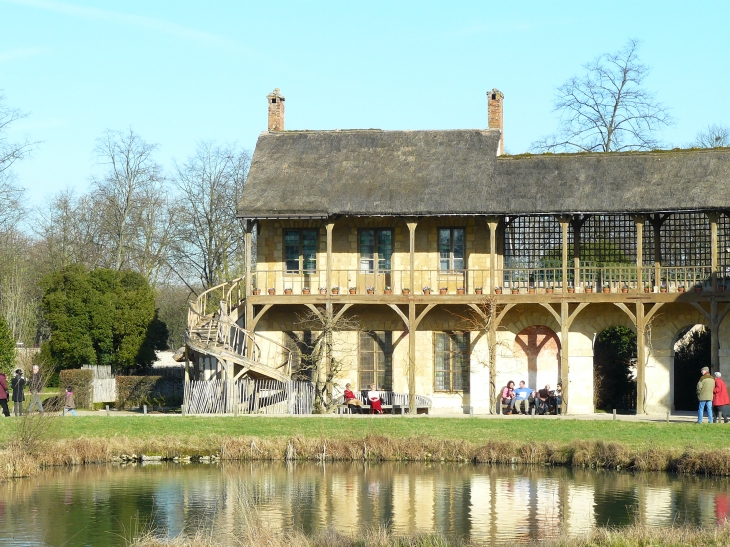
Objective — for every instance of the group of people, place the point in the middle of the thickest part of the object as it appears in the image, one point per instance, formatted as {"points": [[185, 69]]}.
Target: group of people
{"points": [[518, 400], [356, 406], [713, 396], [18, 384]]}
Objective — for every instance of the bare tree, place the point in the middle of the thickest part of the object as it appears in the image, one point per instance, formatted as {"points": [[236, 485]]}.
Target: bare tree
{"points": [[209, 185], [607, 109], [328, 351], [122, 194], [715, 136], [19, 291], [482, 319], [68, 228], [11, 195]]}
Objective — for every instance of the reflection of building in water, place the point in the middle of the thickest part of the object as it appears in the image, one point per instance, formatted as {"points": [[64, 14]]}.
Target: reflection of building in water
{"points": [[485, 504], [547, 520], [656, 505], [413, 510], [482, 515], [579, 508]]}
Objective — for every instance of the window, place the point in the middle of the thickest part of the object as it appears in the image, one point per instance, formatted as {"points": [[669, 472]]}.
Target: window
{"points": [[451, 359], [301, 345], [376, 360], [451, 249], [376, 250], [300, 251]]}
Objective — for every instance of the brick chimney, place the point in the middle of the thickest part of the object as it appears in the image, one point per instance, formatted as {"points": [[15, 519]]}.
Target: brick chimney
{"points": [[276, 110], [495, 98]]}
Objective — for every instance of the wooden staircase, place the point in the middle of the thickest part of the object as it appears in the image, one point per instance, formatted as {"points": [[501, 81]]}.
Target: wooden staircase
{"points": [[216, 333]]}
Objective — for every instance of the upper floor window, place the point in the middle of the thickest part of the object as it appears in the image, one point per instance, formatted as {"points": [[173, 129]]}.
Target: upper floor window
{"points": [[451, 360], [451, 249], [376, 250], [300, 250]]}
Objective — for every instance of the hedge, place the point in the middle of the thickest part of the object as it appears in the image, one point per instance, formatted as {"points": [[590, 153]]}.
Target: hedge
{"points": [[81, 381], [136, 390]]}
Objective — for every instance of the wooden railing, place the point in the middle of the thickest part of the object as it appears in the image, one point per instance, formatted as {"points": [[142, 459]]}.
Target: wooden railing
{"points": [[614, 278], [216, 326]]}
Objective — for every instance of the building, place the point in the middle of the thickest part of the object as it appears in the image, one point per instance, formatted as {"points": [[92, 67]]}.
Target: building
{"points": [[527, 257]]}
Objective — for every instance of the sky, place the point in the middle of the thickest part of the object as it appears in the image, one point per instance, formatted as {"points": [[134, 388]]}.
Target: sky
{"points": [[181, 71]]}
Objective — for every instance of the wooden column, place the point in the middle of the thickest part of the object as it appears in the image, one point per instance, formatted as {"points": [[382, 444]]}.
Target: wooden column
{"points": [[328, 274], [577, 221], [657, 226], [640, 359], [714, 336], [639, 223], [564, 357], [248, 282], [714, 217], [492, 223], [564, 223], [329, 312], [412, 321]]}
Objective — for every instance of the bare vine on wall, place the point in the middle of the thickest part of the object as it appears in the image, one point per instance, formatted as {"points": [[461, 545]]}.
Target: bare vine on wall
{"points": [[328, 353], [482, 319]]}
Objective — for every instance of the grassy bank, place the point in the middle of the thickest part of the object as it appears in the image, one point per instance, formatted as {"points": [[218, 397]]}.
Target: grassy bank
{"points": [[635, 435], [635, 536], [20, 460]]}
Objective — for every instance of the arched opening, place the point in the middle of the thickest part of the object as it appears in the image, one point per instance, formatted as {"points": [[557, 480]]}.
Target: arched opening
{"points": [[691, 352], [537, 355], [614, 369]]}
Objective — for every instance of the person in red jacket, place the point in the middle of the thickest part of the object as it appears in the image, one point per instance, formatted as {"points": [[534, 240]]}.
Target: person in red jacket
{"points": [[720, 398], [4, 394]]}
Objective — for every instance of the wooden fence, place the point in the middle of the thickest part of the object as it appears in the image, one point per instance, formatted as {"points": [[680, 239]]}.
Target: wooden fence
{"points": [[248, 396]]}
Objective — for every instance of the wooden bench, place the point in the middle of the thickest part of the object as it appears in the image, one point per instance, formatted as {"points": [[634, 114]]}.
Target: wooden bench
{"points": [[391, 402]]}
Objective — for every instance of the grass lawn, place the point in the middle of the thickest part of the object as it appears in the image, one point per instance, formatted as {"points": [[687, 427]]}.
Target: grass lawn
{"points": [[479, 431]]}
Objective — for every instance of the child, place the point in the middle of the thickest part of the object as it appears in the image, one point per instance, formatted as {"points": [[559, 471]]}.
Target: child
{"points": [[69, 405]]}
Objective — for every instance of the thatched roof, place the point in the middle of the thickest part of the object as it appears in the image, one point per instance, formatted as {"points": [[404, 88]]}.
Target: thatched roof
{"points": [[373, 172]]}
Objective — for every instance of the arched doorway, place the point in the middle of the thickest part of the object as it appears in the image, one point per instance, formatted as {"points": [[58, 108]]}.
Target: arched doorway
{"points": [[537, 354], [691, 352], [614, 369]]}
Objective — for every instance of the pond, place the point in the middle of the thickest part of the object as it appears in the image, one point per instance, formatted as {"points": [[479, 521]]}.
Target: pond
{"points": [[102, 505]]}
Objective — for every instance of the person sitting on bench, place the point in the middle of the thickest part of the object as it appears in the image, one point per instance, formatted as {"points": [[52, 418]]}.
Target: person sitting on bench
{"points": [[374, 398], [543, 400], [508, 396], [352, 402], [522, 396]]}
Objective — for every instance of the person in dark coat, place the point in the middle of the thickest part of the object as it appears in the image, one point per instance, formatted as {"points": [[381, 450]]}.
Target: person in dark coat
{"points": [[18, 384], [4, 393]]}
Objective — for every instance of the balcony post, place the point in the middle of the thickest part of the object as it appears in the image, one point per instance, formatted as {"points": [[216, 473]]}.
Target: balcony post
{"points": [[639, 223], [564, 223], [492, 223], [640, 358], [714, 217], [328, 274], [564, 357], [412, 408], [577, 223], [248, 282]]}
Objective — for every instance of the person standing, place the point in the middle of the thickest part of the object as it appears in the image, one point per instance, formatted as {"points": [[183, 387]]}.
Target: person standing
{"points": [[18, 384], [720, 399], [705, 388], [4, 394], [36, 386], [70, 405]]}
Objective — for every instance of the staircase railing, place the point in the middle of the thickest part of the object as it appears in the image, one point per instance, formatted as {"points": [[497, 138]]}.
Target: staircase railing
{"points": [[214, 324]]}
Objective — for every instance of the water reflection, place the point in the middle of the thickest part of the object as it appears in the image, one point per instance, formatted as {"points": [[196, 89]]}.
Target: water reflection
{"points": [[100, 505]]}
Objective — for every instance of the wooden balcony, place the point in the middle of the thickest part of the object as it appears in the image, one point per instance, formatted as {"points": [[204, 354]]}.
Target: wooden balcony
{"points": [[609, 283]]}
